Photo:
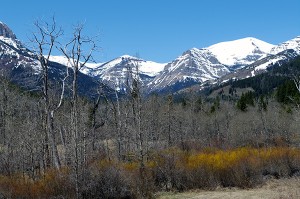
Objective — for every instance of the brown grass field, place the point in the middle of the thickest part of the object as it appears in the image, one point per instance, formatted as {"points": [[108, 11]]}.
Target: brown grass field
{"points": [[272, 189]]}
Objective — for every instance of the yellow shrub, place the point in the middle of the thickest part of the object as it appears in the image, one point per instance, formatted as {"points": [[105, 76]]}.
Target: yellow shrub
{"points": [[222, 160], [130, 166]]}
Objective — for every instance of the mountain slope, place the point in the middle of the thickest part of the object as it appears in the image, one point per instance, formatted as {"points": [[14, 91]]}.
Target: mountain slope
{"points": [[192, 67], [279, 55], [275, 76]]}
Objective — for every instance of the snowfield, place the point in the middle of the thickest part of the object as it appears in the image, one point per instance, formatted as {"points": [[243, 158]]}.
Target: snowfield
{"points": [[238, 51]]}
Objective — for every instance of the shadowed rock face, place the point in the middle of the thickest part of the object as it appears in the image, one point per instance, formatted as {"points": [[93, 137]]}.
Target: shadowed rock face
{"points": [[5, 31]]}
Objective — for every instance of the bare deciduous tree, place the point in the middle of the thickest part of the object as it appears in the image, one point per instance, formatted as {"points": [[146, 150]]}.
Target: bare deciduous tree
{"points": [[45, 40], [77, 58]]}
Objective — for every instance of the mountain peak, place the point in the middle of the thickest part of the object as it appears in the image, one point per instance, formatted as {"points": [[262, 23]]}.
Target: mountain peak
{"points": [[248, 38], [196, 52], [127, 57], [194, 49], [190, 51], [240, 52], [6, 32]]}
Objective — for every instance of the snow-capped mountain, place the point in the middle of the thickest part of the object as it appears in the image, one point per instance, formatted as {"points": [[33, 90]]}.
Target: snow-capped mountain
{"points": [[116, 72], [240, 53], [193, 66], [199, 65]]}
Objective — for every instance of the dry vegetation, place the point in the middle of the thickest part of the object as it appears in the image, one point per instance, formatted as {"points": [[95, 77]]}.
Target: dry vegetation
{"points": [[272, 189], [171, 170]]}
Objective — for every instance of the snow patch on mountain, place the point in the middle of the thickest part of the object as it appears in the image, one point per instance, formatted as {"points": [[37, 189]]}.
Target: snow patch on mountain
{"points": [[240, 52], [151, 68], [60, 59], [271, 62], [64, 61], [9, 41]]}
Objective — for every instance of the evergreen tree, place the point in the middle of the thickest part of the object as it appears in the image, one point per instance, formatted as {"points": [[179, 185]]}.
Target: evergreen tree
{"points": [[241, 104], [287, 93], [262, 103], [198, 104], [216, 105], [246, 99]]}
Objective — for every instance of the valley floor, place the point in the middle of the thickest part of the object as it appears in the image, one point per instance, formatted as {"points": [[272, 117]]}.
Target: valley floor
{"points": [[272, 189]]}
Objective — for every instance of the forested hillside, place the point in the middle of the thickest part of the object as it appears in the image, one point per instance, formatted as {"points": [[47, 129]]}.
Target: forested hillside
{"points": [[275, 76]]}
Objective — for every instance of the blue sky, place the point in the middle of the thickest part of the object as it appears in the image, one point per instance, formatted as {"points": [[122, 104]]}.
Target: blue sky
{"points": [[160, 30]]}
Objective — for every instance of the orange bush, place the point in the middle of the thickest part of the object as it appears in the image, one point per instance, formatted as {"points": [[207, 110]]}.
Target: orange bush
{"points": [[52, 183]]}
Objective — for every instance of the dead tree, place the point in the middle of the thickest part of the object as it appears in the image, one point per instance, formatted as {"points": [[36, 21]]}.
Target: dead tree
{"points": [[45, 39], [297, 84], [118, 124], [135, 95], [169, 112], [93, 119], [77, 57]]}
